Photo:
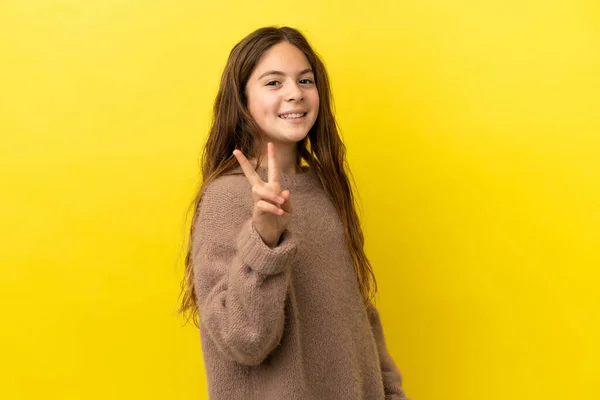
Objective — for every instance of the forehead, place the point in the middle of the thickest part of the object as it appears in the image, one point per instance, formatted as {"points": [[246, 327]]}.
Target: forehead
{"points": [[284, 57]]}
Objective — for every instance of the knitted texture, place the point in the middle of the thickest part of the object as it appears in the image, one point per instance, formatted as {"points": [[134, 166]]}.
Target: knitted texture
{"points": [[287, 322]]}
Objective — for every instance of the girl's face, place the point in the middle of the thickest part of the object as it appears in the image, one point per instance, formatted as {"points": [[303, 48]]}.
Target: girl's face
{"points": [[281, 94]]}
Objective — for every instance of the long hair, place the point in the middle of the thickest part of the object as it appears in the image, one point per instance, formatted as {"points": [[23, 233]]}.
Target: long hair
{"points": [[322, 150]]}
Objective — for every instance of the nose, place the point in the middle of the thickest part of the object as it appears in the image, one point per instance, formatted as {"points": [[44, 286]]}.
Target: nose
{"points": [[294, 92]]}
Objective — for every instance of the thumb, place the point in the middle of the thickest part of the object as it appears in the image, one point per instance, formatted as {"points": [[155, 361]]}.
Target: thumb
{"points": [[287, 205]]}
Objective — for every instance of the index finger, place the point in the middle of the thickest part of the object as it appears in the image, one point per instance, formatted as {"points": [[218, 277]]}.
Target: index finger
{"points": [[273, 166], [247, 167]]}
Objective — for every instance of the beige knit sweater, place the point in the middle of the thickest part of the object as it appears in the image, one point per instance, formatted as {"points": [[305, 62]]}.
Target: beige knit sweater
{"points": [[287, 322]]}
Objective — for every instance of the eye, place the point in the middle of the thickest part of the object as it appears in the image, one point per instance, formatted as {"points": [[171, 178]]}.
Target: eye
{"points": [[306, 81], [272, 83]]}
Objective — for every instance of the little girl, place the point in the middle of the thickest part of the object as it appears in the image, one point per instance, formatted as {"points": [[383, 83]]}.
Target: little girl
{"points": [[276, 270]]}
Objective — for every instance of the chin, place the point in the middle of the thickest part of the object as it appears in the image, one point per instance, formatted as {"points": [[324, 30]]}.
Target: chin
{"points": [[297, 136], [288, 137]]}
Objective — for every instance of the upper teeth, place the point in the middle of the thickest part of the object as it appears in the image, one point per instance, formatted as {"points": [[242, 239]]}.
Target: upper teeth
{"points": [[296, 115]]}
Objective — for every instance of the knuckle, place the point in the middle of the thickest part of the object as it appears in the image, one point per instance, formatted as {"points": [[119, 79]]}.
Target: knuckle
{"points": [[263, 205], [268, 194]]}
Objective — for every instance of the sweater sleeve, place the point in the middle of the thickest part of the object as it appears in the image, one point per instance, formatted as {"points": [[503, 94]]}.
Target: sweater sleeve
{"points": [[392, 378], [241, 284]]}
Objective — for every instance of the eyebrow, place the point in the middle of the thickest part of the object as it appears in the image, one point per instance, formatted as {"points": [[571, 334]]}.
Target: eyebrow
{"points": [[280, 73]]}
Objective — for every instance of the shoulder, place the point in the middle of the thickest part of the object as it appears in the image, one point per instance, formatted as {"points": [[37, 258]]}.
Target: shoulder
{"points": [[229, 193], [229, 185]]}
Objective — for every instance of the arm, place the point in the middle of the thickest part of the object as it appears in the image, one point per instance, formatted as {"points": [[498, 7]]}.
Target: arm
{"points": [[392, 379], [241, 284]]}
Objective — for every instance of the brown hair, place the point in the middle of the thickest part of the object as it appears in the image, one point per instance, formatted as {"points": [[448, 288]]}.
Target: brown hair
{"points": [[234, 128]]}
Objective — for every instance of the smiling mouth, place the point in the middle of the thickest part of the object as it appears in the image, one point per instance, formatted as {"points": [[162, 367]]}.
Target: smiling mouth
{"points": [[292, 116]]}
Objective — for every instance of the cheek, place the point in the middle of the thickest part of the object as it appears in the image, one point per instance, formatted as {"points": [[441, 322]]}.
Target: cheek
{"points": [[263, 106], [314, 98], [314, 101]]}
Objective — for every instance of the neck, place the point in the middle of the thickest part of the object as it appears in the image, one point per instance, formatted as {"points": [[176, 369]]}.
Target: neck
{"points": [[286, 157]]}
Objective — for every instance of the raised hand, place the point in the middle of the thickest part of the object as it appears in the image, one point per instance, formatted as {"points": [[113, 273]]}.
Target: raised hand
{"points": [[272, 207]]}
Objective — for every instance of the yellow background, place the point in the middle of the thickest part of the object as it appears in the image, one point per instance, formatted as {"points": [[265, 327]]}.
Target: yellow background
{"points": [[473, 132]]}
